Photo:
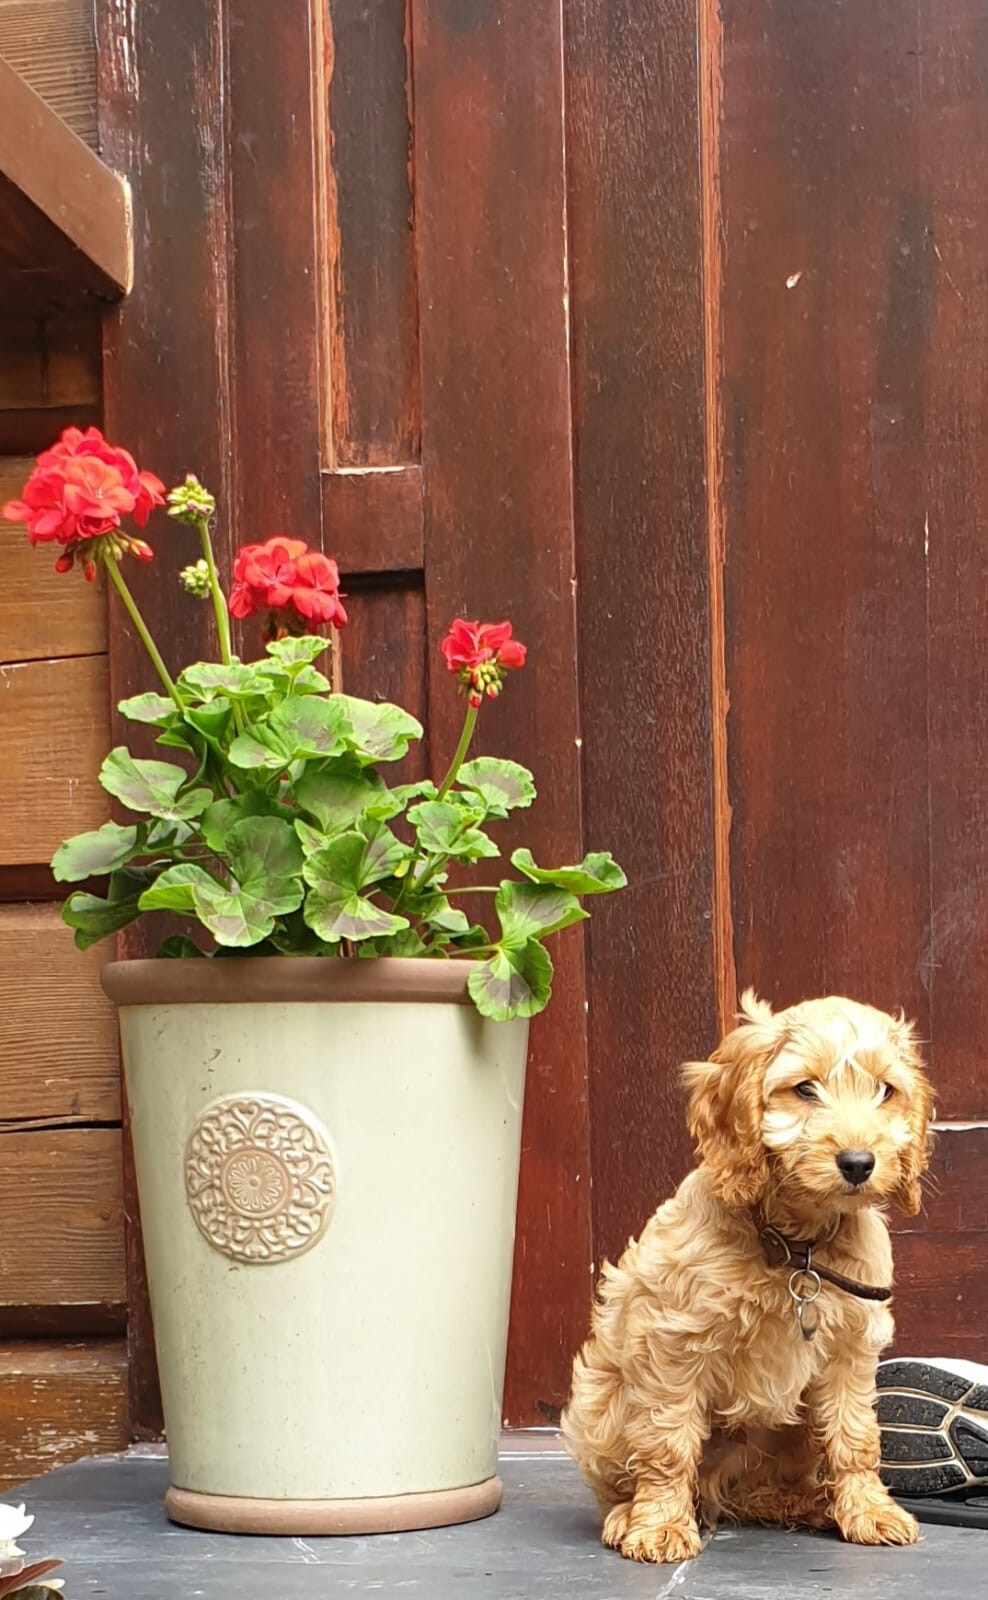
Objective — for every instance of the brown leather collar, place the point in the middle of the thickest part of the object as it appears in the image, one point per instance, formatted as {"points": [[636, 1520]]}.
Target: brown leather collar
{"points": [[797, 1255]]}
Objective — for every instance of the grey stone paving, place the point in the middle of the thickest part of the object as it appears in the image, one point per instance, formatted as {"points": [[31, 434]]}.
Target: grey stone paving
{"points": [[104, 1517]]}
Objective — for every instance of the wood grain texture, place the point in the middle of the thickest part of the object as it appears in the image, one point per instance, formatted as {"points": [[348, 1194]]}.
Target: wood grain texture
{"points": [[55, 362], [65, 236], [60, 1061], [42, 612], [383, 657], [374, 311], [29, 430], [275, 415], [941, 1297], [951, 143], [828, 293], [171, 337], [373, 519], [497, 465], [51, 43], [59, 1402], [54, 733], [642, 565], [61, 1219]]}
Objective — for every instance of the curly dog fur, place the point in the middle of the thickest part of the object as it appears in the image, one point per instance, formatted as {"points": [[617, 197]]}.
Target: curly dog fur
{"points": [[695, 1395]]}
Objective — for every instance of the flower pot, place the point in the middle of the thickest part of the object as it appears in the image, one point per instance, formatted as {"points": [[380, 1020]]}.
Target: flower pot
{"points": [[327, 1162]]}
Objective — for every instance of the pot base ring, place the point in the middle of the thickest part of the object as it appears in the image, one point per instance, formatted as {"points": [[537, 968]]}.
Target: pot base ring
{"points": [[442, 1508]]}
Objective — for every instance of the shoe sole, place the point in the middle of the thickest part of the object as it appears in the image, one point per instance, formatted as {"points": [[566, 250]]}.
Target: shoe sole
{"points": [[934, 1421]]}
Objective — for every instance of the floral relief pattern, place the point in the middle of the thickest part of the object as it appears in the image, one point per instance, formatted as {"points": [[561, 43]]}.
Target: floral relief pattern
{"points": [[259, 1178]]}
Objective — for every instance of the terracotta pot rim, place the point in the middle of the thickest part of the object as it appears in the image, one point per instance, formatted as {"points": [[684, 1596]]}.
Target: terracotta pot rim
{"points": [[254, 979]]}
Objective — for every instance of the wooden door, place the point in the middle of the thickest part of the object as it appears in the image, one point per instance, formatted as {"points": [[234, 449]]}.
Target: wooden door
{"points": [[659, 328]]}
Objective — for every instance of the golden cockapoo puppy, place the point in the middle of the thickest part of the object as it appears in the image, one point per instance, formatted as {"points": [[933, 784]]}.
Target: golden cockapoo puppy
{"points": [[718, 1377]]}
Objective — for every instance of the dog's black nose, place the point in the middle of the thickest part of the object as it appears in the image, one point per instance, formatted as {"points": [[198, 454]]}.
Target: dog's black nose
{"points": [[856, 1166]]}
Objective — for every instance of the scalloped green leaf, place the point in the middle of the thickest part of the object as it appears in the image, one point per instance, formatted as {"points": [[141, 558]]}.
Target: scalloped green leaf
{"points": [[338, 794], [354, 861], [340, 913], [172, 889], [152, 786], [218, 818], [597, 873], [379, 731], [446, 829], [92, 855], [286, 681], [207, 679], [297, 651], [212, 719], [157, 709], [94, 918], [266, 858], [512, 983], [302, 728], [533, 910], [179, 947], [502, 785]]}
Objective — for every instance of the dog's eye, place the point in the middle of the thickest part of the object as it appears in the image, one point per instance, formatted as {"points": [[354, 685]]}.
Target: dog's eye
{"points": [[888, 1090], [806, 1091]]}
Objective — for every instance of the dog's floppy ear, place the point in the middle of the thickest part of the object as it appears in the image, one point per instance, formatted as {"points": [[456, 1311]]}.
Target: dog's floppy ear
{"points": [[915, 1158], [726, 1103]]}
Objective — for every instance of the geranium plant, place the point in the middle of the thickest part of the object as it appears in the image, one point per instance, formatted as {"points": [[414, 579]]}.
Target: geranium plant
{"points": [[274, 828]]}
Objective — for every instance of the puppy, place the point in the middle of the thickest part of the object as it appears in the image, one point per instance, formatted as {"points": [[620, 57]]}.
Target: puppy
{"points": [[719, 1377]]}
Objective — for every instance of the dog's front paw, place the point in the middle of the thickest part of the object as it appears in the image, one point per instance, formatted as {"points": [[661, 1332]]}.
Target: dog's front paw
{"points": [[878, 1522], [616, 1525], [669, 1542]]}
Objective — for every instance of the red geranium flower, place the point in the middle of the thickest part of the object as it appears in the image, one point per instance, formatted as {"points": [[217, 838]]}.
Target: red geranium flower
{"points": [[480, 653], [285, 575], [147, 490]]}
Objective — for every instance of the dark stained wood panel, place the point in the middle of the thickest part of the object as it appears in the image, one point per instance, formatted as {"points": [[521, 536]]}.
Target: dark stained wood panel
{"points": [[275, 415], [52, 363], [42, 611], [829, 288], [372, 519], [497, 478], [642, 569], [59, 1402], [952, 43], [941, 1299], [373, 315]]}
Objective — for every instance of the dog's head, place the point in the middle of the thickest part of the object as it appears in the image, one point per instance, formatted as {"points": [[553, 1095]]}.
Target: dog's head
{"points": [[826, 1103]]}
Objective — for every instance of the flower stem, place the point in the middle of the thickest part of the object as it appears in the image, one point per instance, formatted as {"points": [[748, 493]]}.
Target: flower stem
{"points": [[219, 599], [120, 584], [469, 724]]}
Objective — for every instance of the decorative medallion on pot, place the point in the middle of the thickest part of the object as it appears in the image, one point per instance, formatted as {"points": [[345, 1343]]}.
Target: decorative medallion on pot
{"points": [[259, 1178]]}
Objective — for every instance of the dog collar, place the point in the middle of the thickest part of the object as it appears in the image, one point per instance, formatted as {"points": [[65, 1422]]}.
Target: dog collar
{"points": [[807, 1276]]}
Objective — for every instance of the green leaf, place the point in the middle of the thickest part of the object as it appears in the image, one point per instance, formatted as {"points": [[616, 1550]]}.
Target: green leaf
{"points": [[339, 913], [266, 859], [532, 910], [177, 947], [91, 855], [378, 731], [94, 918], [405, 943], [217, 819], [596, 874], [502, 785], [158, 709], [212, 719], [206, 679], [172, 890], [436, 910], [512, 983], [302, 728], [311, 839], [152, 786], [353, 861], [234, 918], [297, 652], [305, 681], [338, 793], [445, 829]]}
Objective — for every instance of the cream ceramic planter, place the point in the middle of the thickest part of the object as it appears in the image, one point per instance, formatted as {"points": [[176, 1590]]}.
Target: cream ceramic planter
{"points": [[327, 1161]]}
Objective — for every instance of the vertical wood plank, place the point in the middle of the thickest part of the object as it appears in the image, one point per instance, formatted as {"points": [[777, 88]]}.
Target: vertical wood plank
{"points": [[168, 340], [374, 312], [828, 294], [642, 547], [497, 468], [953, 109], [275, 401]]}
